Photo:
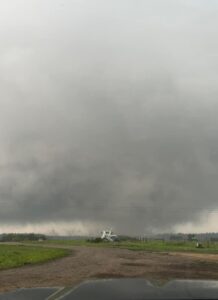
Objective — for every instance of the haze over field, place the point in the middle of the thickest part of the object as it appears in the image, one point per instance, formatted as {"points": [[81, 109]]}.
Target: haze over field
{"points": [[108, 115]]}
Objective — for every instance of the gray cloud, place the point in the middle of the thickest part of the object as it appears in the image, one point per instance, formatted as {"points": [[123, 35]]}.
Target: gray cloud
{"points": [[108, 112]]}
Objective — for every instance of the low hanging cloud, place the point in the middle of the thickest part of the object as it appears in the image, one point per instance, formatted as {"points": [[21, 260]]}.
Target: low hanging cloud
{"points": [[108, 114]]}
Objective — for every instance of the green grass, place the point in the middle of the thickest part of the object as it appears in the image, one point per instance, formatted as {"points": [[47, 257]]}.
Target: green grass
{"points": [[156, 246], [12, 256], [19, 255]]}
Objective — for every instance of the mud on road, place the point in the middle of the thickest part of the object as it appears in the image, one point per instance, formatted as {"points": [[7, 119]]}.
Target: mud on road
{"points": [[88, 262]]}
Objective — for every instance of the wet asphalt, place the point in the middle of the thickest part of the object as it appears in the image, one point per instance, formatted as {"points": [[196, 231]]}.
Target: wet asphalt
{"points": [[121, 289]]}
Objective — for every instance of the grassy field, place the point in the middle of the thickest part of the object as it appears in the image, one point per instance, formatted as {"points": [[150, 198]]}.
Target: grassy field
{"points": [[18, 255], [144, 246]]}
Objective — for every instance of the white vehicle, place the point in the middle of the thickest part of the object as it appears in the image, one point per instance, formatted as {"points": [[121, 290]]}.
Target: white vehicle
{"points": [[108, 235]]}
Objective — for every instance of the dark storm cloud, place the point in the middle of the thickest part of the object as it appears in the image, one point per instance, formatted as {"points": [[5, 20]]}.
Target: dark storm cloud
{"points": [[108, 112]]}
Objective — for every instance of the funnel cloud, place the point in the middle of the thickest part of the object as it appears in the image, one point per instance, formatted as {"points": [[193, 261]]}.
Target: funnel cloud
{"points": [[108, 114]]}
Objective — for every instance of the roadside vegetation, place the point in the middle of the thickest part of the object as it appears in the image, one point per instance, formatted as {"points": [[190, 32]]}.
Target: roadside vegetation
{"points": [[12, 256], [17, 237], [150, 245]]}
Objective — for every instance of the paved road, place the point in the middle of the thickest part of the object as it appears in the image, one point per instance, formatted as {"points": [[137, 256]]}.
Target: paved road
{"points": [[29, 294], [121, 289]]}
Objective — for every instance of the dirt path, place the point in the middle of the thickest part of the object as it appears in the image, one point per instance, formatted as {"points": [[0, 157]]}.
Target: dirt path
{"points": [[89, 262]]}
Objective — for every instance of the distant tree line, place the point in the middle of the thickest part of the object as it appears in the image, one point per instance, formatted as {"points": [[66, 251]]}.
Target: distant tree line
{"points": [[208, 236], [19, 237]]}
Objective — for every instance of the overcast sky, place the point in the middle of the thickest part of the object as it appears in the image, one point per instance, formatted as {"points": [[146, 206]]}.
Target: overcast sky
{"points": [[108, 115]]}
